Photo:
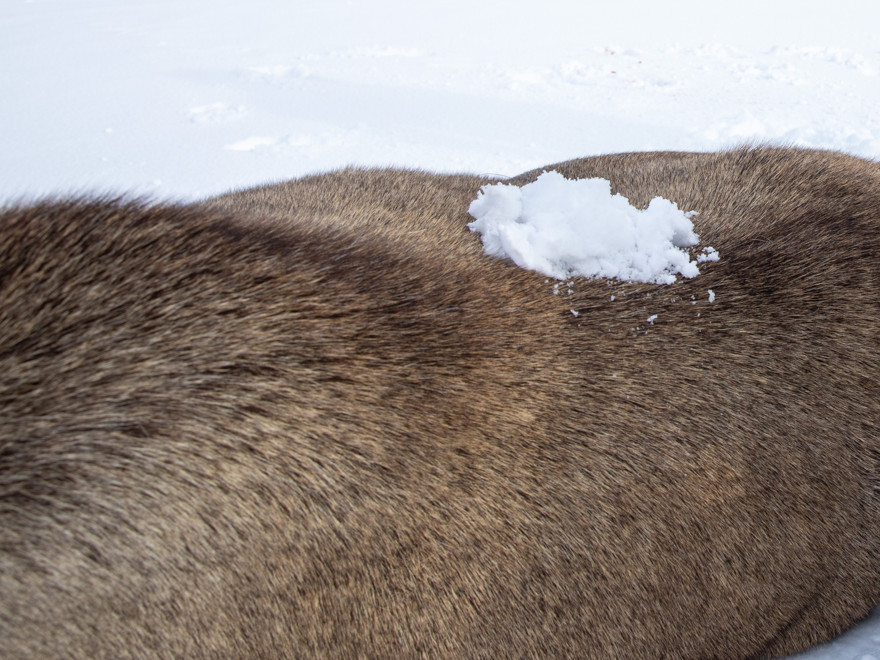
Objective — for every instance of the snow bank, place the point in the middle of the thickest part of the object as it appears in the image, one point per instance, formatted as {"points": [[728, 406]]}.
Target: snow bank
{"points": [[562, 227]]}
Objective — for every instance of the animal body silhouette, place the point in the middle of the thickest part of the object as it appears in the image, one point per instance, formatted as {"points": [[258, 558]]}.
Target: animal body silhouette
{"points": [[313, 419]]}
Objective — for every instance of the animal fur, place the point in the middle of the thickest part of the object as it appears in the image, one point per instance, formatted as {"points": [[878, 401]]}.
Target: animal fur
{"points": [[313, 420]]}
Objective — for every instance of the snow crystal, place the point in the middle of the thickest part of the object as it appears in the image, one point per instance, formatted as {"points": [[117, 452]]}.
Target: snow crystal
{"points": [[564, 227]]}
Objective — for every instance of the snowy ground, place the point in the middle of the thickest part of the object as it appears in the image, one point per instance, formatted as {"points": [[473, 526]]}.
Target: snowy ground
{"points": [[187, 98], [191, 97]]}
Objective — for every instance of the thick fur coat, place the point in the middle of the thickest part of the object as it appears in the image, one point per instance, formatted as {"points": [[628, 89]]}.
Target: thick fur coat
{"points": [[312, 419]]}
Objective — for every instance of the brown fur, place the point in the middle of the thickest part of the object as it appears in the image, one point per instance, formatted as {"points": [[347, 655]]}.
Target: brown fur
{"points": [[313, 420]]}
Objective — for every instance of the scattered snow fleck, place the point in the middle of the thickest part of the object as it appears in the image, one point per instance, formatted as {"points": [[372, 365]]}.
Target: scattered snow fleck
{"points": [[574, 312], [708, 254], [562, 227], [711, 296], [652, 318], [612, 298]]}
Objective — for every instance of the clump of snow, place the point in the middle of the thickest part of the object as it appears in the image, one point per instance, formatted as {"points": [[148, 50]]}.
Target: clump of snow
{"points": [[565, 227], [711, 296], [708, 254]]}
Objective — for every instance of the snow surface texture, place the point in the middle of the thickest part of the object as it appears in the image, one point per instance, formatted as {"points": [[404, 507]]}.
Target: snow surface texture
{"points": [[562, 228], [187, 98]]}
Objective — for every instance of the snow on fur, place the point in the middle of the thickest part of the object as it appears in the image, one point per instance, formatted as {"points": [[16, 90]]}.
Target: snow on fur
{"points": [[565, 227]]}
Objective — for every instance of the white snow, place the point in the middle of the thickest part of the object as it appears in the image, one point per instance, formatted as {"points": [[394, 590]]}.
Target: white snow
{"points": [[187, 98], [561, 227], [708, 254], [202, 96]]}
